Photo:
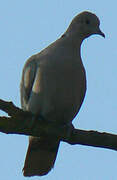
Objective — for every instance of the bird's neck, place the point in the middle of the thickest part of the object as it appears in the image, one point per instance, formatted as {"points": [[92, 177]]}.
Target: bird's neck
{"points": [[73, 42], [74, 38]]}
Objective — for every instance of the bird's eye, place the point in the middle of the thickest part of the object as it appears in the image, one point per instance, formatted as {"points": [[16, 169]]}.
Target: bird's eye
{"points": [[87, 21]]}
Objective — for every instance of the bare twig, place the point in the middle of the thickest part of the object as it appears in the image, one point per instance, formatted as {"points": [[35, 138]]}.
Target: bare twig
{"points": [[26, 123]]}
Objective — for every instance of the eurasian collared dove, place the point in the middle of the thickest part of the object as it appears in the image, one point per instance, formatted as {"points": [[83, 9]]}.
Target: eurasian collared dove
{"points": [[53, 85]]}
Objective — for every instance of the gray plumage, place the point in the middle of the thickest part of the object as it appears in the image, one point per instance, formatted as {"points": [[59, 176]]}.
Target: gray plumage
{"points": [[53, 85]]}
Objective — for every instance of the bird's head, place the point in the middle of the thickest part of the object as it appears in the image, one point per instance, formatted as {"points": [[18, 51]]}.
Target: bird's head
{"points": [[85, 24]]}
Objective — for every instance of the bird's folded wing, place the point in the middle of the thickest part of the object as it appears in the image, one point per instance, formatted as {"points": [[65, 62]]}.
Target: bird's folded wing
{"points": [[27, 81]]}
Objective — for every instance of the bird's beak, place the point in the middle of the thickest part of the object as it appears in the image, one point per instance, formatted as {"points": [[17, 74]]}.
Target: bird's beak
{"points": [[100, 33]]}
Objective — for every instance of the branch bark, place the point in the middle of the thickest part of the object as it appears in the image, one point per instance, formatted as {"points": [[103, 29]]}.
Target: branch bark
{"points": [[26, 123]]}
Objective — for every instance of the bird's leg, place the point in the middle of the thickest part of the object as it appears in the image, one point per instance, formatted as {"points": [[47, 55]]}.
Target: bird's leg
{"points": [[67, 130]]}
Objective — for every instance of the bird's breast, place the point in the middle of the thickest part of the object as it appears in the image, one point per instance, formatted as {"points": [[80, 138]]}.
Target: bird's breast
{"points": [[63, 87]]}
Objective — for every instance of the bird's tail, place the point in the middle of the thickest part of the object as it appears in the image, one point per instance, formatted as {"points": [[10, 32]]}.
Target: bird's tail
{"points": [[41, 156]]}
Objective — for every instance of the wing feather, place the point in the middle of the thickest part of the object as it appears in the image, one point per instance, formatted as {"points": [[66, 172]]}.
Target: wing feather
{"points": [[28, 77]]}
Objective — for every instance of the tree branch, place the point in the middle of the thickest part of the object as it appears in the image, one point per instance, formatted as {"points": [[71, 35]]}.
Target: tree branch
{"points": [[26, 123]]}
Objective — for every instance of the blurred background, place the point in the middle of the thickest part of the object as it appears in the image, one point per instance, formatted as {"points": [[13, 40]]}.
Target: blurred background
{"points": [[27, 27]]}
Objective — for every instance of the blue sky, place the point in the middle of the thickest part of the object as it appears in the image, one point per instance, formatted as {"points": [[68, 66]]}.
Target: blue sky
{"points": [[26, 27]]}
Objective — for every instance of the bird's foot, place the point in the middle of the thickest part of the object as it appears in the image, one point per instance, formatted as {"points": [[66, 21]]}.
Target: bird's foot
{"points": [[67, 130]]}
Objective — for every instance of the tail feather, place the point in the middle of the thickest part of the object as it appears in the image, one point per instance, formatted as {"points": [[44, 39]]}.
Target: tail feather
{"points": [[41, 156]]}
